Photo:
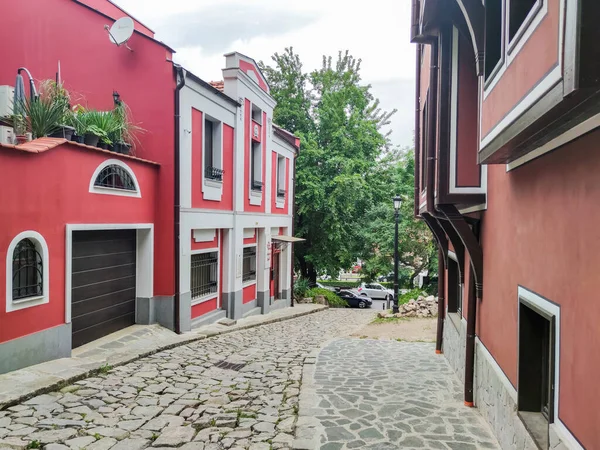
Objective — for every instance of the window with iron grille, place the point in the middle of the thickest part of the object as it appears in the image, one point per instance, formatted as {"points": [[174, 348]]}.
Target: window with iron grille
{"points": [[115, 177], [204, 274], [27, 271], [249, 264]]}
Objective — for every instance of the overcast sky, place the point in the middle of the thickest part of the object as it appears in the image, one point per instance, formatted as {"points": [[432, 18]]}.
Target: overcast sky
{"points": [[377, 31]]}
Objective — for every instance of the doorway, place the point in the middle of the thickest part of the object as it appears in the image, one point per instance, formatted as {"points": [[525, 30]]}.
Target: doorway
{"points": [[275, 275]]}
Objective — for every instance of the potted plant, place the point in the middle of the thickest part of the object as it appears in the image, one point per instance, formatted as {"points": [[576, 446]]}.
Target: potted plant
{"points": [[125, 134], [55, 93], [93, 134], [18, 122], [42, 116]]}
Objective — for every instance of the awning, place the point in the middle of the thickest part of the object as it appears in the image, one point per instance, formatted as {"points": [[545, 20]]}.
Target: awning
{"points": [[288, 239]]}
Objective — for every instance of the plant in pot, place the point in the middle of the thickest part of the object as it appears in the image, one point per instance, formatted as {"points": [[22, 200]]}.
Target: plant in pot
{"points": [[56, 93], [18, 122], [125, 136], [42, 116], [93, 134], [104, 124]]}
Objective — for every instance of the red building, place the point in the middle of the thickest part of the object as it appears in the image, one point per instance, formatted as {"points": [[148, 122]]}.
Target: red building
{"points": [[93, 241], [507, 113]]}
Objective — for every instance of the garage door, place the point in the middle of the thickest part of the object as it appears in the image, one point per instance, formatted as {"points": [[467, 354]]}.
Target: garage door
{"points": [[103, 283]]}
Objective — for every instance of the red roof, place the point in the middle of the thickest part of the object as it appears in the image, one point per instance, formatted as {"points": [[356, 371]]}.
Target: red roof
{"points": [[219, 85], [44, 144]]}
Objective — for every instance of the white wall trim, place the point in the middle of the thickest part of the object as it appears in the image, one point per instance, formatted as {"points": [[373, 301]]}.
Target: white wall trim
{"points": [[554, 310], [568, 136], [42, 248], [204, 250], [144, 257], [249, 245], [206, 298], [110, 191], [204, 235]]}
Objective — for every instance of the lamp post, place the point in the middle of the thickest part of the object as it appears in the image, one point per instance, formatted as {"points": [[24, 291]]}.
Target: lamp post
{"points": [[116, 98], [397, 204]]}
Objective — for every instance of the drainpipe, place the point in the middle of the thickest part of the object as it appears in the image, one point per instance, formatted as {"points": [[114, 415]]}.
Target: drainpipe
{"points": [[441, 301], [432, 108], [418, 131], [180, 83], [471, 328]]}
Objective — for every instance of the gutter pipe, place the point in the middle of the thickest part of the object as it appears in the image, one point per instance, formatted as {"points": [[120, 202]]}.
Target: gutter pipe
{"points": [[418, 132], [441, 301], [180, 75], [471, 332]]}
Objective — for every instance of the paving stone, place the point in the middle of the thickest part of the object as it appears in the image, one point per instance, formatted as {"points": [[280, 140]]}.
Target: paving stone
{"points": [[80, 442], [131, 444], [174, 436], [102, 444], [50, 436]]}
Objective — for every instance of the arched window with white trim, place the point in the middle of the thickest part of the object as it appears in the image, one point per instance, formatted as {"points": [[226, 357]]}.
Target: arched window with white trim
{"points": [[114, 177], [27, 271]]}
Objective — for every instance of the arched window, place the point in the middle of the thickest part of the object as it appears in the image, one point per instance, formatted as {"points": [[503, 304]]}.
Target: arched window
{"points": [[114, 177], [27, 271]]}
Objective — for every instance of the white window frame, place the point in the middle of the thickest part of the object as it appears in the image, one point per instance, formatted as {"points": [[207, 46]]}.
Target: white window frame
{"points": [[217, 151], [254, 281], [213, 295], [280, 181], [42, 248], [525, 26], [110, 191]]}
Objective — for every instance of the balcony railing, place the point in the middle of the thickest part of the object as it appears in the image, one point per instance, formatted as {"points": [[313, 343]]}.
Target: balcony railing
{"points": [[257, 185], [281, 193], [212, 173]]}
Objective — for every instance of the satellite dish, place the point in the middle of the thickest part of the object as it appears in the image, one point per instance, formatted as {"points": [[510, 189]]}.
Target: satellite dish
{"points": [[121, 31]]}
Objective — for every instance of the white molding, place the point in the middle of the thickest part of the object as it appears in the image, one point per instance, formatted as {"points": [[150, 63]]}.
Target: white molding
{"points": [[250, 233], [144, 257], [204, 235], [568, 136], [112, 191], [204, 250], [206, 298], [42, 248], [245, 284], [249, 245], [531, 22], [213, 183]]}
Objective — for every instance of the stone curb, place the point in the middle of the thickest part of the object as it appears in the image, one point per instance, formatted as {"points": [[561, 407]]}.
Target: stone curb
{"points": [[57, 385]]}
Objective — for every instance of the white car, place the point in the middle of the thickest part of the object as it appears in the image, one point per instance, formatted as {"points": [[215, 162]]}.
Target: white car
{"points": [[375, 291]]}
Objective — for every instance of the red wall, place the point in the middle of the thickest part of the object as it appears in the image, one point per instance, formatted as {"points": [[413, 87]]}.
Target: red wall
{"points": [[246, 66], [114, 11], [205, 245], [92, 68], [540, 231], [204, 307], [249, 293], [198, 200], [468, 172], [64, 198]]}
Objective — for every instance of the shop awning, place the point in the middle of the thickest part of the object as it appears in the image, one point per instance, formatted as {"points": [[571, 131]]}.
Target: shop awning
{"points": [[288, 239]]}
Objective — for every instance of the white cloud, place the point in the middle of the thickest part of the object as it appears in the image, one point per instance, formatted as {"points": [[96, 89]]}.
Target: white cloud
{"points": [[376, 31]]}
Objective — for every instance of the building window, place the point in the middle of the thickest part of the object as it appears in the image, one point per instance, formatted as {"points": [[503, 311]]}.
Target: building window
{"points": [[204, 274], [281, 177], [115, 177], [493, 36], [256, 167], [537, 331], [27, 271], [212, 150], [249, 272], [256, 114], [518, 13], [454, 287]]}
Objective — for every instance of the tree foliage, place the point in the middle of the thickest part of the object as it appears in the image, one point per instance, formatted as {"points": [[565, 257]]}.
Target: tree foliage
{"points": [[346, 171]]}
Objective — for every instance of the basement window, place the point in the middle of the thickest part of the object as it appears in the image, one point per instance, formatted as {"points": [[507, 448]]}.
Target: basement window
{"points": [[493, 37], [249, 266], [536, 370], [204, 275]]}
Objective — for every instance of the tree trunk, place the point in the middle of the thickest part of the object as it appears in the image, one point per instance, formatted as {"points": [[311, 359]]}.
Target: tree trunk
{"points": [[312, 274]]}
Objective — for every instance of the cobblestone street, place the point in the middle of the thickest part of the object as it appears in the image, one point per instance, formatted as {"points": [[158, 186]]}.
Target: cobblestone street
{"points": [[242, 391]]}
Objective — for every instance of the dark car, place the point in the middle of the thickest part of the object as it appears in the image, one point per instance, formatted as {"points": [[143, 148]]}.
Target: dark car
{"points": [[355, 300]]}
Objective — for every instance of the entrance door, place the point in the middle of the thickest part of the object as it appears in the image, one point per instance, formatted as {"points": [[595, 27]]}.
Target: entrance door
{"points": [[103, 283], [276, 276]]}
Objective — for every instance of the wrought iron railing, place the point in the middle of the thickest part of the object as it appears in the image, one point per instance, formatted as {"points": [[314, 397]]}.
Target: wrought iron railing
{"points": [[212, 173], [281, 193], [249, 264], [257, 185], [204, 274]]}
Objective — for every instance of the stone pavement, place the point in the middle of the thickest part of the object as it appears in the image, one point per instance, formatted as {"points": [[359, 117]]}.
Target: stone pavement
{"points": [[385, 395], [238, 390], [120, 348]]}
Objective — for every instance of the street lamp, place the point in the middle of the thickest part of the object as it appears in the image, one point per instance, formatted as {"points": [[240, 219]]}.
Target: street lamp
{"points": [[116, 98], [397, 204]]}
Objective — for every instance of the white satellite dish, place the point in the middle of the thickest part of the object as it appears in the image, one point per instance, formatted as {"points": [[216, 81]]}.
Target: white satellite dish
{"points": [[121, 31]]}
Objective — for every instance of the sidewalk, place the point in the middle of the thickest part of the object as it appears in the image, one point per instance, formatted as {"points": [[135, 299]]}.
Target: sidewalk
{"points": [[120, 348]]}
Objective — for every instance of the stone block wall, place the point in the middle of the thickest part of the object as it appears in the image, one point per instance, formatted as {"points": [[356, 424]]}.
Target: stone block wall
{"points": [[454, 344]]}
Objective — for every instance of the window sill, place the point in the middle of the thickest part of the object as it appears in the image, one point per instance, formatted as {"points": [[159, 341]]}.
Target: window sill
{"points": [[280, 205], [245, 284], [256, 193], [213, 183], [115, 191], [28, 302], [536, 425], [204, 298]]}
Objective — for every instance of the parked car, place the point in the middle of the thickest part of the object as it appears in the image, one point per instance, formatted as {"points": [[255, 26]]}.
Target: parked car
{"points": [[355, 300], [375, 291]]}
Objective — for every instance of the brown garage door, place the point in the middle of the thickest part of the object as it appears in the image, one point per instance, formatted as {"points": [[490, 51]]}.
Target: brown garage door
{"points": [[103, 283]]}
